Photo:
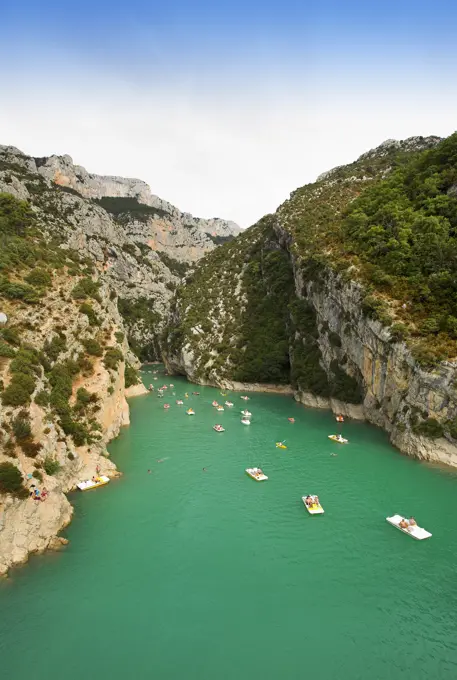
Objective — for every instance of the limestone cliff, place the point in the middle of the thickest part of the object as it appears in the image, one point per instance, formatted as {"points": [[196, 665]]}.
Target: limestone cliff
{"points": [[341, 335], [88, 266], [141, 244]]}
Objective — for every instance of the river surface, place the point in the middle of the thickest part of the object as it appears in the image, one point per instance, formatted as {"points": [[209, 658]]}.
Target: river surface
{"points": [[207, 575]]}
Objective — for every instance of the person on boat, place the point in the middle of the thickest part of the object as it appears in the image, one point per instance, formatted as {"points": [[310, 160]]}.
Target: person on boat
{"points": [[316, 500], [309, 500], [412, 522], [403, 524]]}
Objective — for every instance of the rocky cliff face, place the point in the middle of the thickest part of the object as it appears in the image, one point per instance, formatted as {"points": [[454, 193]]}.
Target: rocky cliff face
{"points": [[142, 245], [340, 354], [85, 275]]}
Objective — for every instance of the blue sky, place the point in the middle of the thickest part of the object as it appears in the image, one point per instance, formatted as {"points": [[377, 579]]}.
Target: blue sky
{"points": [[224, 108]]}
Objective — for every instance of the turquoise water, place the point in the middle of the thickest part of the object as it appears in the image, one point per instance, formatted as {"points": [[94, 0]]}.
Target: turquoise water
{"points": [[185, 573]]}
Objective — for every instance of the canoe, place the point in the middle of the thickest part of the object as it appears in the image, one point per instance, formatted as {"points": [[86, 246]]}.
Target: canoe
{"points": [[218, 429], [90, 484], [280, 445], [416, 532], [256, 474], [314, 509], [335, 438], [245, 421]]}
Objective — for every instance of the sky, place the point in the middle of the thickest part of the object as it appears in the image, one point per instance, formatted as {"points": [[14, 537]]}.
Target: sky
{"points": [[224, 108]]}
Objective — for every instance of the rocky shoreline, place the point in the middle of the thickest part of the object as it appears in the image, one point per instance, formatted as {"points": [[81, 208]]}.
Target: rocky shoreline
{"points": [[31, 527]]}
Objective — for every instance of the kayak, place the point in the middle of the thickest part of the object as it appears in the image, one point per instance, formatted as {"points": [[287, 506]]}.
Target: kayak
{"points": [[313, 508], [257, 474], [416, 532], [93, 484], [280, 445], [337, 438]]}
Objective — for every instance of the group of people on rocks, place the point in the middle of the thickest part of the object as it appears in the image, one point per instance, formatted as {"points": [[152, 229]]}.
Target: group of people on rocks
{"points": [[38, 495]]}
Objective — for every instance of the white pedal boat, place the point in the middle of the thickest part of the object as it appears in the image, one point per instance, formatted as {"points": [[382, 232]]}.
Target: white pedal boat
{"points": [[228, 403], [416, 532], [313, 508], [219, 408], [91, 484], [338, 438], [218, 428], [256, 474], [245, 398], [246, 413], [190, 412], [245, 421]]}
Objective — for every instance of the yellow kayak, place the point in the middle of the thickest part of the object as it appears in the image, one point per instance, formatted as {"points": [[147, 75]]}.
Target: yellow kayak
{"points": [[280, 445]]}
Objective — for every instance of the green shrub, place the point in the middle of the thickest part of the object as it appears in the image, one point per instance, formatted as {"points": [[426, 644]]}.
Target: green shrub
{"points": [[39, 278], [92, 347], [51, 466], [53, 348], [113, 356], [11, 335], [119, 337], [21, 427], [18, 291], [131, 376], [11, 480], [42, 398], [6, 350], [37, 474], [88, 310], [70, 456], [19, 390], [86, 288]]}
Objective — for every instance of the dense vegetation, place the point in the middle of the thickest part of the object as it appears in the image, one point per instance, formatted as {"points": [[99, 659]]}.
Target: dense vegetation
{"points": [[404, 232]]}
